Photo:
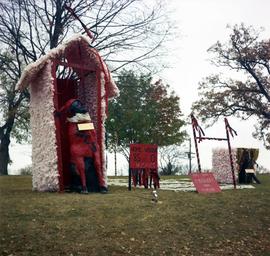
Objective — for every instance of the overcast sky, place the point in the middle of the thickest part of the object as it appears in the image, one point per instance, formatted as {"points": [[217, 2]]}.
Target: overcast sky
{"points": [[201, 23]]}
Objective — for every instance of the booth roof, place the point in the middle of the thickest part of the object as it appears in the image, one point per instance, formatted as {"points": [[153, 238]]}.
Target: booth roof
{"points": [[31, 71]]}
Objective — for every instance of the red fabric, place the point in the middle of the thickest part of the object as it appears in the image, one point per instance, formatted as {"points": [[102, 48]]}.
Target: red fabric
{"points": [[65, 107], [142, 176], [84, 144], [145, 177], [143, 156], [154, 176], [134, 175], [65, 89]]}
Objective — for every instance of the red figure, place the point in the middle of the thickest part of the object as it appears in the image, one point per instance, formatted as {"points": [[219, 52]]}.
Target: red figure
{"points": [[83, 143]]}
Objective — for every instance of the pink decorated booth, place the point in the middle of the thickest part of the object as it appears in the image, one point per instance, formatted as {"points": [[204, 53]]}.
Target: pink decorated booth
{"points": [[72, 70]]}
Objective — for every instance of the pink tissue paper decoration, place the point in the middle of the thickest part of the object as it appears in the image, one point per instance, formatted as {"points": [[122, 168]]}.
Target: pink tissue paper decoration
{"points": [[39, 76], [221, 165]]}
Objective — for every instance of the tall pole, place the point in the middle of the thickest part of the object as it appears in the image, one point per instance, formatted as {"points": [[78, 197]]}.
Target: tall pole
{"points": [[115, 163], [230, 151], [115, 155], [189, 155], [129, 177], [197, 151], [193, 120]]}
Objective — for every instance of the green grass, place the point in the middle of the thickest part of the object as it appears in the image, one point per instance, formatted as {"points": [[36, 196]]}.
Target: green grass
{"points": [[128, 223]]}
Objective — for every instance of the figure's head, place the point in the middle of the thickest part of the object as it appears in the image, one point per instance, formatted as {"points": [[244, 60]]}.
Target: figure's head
{"points": [[72, 107], [246, 154], [77, 107]]}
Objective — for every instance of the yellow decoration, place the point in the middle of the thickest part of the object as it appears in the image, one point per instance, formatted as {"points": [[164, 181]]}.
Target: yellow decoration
{"points": [[86, 127], [250, 170]]}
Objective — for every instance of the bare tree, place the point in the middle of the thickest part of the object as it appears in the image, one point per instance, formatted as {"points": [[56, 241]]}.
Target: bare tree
{"points": [[14, 114], [170, 159], [128, 29], [125, 31]]}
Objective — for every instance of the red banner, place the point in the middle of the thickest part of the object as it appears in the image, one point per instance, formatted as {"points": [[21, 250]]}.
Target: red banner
{"points": [[143, 156], [205, 182]]}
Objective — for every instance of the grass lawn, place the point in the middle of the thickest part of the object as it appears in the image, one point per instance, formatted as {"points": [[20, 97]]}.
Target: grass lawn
{"points": [[128, 223]]}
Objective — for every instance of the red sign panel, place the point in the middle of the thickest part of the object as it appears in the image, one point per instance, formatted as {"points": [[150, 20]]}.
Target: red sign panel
{"points": [[205, 182], [143, 156]]}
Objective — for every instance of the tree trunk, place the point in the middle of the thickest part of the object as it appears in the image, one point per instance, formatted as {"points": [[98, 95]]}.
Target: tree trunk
{"points": [[4, 144], [115, 163], [4, 154]]}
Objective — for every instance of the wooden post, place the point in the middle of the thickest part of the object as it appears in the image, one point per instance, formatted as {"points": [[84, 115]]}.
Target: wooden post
{"points": [[115, 163], [99, 119], [196, 144], [230, 151], [129, 176], [189, 155]]}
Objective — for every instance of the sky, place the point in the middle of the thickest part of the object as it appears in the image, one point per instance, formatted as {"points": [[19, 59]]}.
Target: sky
{"points": [[200, 24]]}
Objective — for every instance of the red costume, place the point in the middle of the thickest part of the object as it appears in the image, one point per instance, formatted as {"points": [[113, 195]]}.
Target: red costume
{"points": [[83, 144]]}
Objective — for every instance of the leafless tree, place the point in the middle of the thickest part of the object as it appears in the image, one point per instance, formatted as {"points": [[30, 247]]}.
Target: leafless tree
{"points": [[125, 31], [170, 159]]}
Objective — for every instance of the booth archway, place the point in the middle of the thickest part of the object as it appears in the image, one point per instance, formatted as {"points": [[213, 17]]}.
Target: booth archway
{"points": [[72, 70]]}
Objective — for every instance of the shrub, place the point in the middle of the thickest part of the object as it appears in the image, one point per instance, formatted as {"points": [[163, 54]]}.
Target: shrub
{"points": [[27, 170]]}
